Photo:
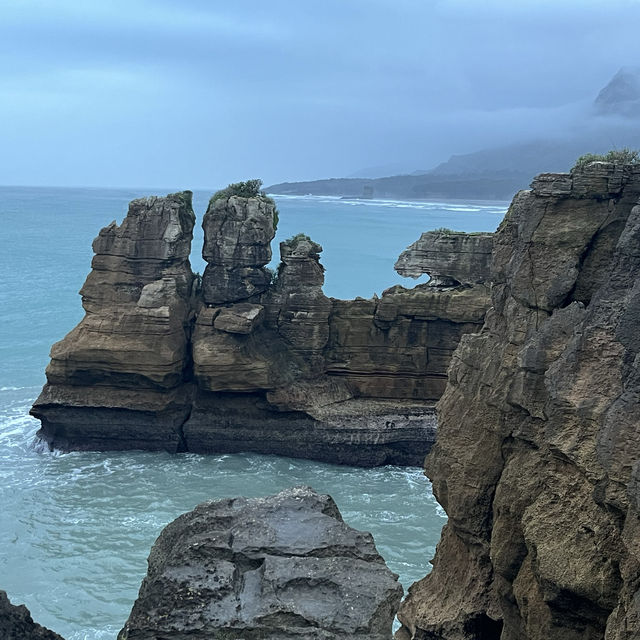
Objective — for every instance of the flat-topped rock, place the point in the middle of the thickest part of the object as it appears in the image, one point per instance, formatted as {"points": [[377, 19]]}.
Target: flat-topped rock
{"points": [[286, 566], [400, 345], [596, 180], [240, 318], [449, 257]]}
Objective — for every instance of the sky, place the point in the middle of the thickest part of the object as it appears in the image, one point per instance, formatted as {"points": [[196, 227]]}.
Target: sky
{"points": [[200, 93]]}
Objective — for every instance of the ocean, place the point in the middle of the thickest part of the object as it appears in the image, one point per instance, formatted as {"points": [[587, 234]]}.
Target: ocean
{"points": [[76, 528]]}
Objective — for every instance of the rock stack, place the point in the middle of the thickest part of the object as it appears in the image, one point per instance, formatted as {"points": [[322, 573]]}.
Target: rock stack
{"points": [[237, 246], [248, 362], [117, 380]]}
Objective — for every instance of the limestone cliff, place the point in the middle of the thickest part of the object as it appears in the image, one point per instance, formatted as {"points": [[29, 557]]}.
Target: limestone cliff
{"points": [[250, 362], [536, 461]]}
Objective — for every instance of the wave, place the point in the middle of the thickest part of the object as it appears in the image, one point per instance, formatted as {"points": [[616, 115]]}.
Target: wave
{"points": [[478, 205], [16, 388]]}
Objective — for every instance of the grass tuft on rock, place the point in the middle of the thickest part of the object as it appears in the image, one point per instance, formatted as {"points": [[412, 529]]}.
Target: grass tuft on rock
{"points": [[247, 189], [616, 156]]}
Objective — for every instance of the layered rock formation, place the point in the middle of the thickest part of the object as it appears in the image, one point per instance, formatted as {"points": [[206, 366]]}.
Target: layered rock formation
{"points": [[237, 246], [449, 257], [286, 566], [16, 623], [247, 363], [537, 457], [400, 345], [117, 379]]}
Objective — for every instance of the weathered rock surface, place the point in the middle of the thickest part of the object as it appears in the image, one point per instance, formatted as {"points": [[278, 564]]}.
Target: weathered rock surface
{"points": [[272, 568], [302, 308], [358, 432], [247, 364], [237, 246], [536, 461], [309, 381], [400, 345], [16, 623], [117, 379], [241, 318], [449, 257]]}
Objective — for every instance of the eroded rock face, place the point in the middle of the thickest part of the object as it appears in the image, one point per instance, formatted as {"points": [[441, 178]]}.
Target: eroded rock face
{"points": [[302, 308], [237, 246], [246, 364], [117, 379], [286, 566], [450, 258], [536, 462], [400, 345], [16, 623]]}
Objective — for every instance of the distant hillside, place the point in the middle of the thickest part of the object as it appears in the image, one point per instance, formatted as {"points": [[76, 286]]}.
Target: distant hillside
{"points": [[499, 172], [488, 186], [381, 171], [530, 158], [622, 95]]}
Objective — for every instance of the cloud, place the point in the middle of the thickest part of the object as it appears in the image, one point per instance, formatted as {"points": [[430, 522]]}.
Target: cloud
{"points": [[201, 93]]}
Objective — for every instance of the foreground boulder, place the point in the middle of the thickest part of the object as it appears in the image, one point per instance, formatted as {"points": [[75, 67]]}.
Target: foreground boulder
{"points": [[16, 623], [538, 450], [275, 568]]}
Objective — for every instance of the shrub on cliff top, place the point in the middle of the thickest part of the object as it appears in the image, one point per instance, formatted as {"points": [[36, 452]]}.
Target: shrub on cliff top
{"points": [[247, 189], [444, 230], [617, 156], [294, 241]]}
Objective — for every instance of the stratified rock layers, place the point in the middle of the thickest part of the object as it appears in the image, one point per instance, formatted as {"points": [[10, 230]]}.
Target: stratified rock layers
{"points": [[237, 246], [286, 566], [118, 379], [247, 363], [449, 257], [536, 461]]}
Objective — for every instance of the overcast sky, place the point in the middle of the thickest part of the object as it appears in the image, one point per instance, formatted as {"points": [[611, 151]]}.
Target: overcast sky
{"points": [[198, 93]]}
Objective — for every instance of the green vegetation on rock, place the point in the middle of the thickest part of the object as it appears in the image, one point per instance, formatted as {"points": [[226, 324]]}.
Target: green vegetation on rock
{"points": [[444, 230], [247, 189], [617, 156], [294, 241]]}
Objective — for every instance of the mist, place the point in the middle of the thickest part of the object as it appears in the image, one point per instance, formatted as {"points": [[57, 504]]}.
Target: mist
{"points": [[195, 94]]}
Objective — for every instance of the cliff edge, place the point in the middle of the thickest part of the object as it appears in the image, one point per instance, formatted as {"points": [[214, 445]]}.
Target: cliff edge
{"points": [[537, 457]]}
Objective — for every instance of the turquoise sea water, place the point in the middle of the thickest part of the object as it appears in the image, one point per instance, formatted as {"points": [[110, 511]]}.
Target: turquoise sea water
{"points": [[76, 528]]}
